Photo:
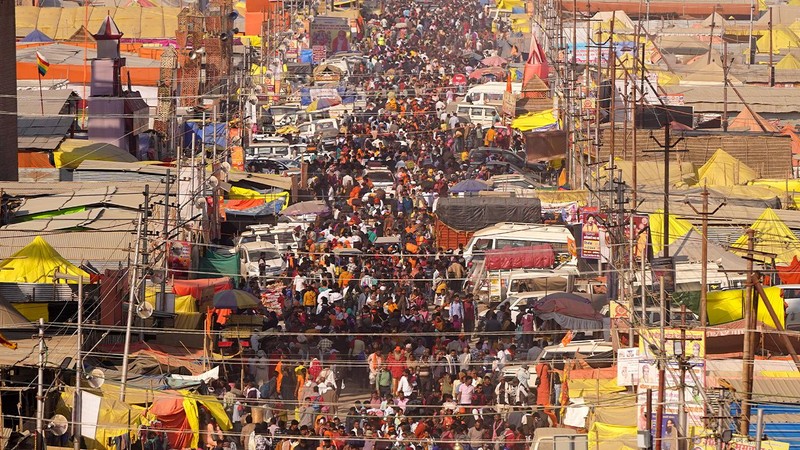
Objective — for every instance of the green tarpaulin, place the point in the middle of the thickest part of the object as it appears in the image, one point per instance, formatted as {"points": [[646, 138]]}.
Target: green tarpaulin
{"points": [[219, 263]]}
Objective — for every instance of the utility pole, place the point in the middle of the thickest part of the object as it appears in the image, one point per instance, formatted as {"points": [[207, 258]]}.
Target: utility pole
{"points": [[749, 338], [145, 253], [133, 278], [165, 232], [662, 361], [725, 69], [771, 56], [704, 214], [40, 389], [667, 147]]}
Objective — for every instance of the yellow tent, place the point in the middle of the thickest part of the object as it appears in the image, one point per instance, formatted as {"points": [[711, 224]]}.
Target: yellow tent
{"points": [[72, 152], [782, 38], [533, 121], [677, 229], [36, 263], [726, 306], [789, 62], [772, 237], [722, 169]]}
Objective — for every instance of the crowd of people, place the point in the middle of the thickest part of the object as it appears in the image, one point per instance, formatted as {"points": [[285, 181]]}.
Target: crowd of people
{"points": [[380, 346]]}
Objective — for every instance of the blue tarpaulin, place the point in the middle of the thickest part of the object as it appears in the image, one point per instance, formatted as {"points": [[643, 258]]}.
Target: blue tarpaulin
{"points": [[193, 130], [268, 209]]}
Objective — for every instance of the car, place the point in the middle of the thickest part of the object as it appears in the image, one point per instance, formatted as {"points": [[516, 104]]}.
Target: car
{"points": [[267, 150], [516, 305], [592, 349], [481, 155], [250, 253], [283, 235], [272, 166], [381, 179], [326, 130], [791, 297]]}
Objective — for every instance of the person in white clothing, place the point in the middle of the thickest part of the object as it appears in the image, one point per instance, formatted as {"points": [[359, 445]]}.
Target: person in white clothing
{"points": [[404, 386]]}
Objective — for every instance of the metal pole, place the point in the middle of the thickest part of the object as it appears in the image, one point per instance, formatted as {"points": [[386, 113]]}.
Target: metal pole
{"points": [[131, 298], [704, 258], [724, 85], [667, 145], [750, 35], [661, 363], [771, 65], [40, 386], [747, 354], [76, 406], [165, 231], [759, 428], [682, 384], [145, 254]]}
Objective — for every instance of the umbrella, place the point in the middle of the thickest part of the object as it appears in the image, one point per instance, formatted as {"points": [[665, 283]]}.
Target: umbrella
{"points": [[310, 207], [459, 79], [323, 103], [496, 72], [235, 299], [494, 61], [469, 54], [470, 186]]}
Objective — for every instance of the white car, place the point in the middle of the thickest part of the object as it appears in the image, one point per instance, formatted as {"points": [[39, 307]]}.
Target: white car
{"points": [[560, 352], [381, 179], [250, 253]]}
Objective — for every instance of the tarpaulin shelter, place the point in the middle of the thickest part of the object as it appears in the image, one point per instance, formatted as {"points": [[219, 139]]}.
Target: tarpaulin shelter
{"points": [[784, 188], [508, 258], [72, 152], [751, 121], [772, 237], [219, 263], [727, 306], [603, 436], [536, 63], [114, 418], [650, 173], [536, 120], [195, 288], [569, 311], [179, 413], [470, 186], [722, 169], [677, 229], [36, 263], [240, 193], [474, 213], [783, 38], [205, 134]]}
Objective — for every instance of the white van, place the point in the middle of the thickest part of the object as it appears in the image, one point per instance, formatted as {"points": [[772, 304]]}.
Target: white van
{"points": [[490, 93], [479, 114], [516, 235]]}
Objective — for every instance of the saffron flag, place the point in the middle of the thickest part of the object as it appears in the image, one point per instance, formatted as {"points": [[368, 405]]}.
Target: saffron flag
{"points": [[42, 64], [6, 343]]}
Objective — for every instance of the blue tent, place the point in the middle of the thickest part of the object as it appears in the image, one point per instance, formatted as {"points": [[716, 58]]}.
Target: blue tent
{"points": [[36, 36], [193, 130]]}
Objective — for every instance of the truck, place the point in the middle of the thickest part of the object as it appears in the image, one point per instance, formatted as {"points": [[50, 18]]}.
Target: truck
{"points": [[551, 438]]}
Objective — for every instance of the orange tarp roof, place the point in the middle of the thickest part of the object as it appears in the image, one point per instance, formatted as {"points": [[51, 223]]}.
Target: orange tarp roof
{"points": [[140, 76]]}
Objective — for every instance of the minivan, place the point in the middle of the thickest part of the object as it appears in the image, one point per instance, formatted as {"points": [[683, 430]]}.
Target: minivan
{"points": [[490, 93], [479, 114], [518, 235]]}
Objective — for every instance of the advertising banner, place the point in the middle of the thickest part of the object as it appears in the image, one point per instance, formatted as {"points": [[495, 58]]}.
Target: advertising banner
{"points": [[332, 33]]}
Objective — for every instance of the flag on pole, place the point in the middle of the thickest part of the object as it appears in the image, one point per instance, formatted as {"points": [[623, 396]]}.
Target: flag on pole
{"points": [[42, 63], [6, 343]]}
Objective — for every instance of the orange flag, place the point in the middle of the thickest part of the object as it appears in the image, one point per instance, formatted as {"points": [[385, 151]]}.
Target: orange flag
{"points": [[567, 338], [6, 343]]}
